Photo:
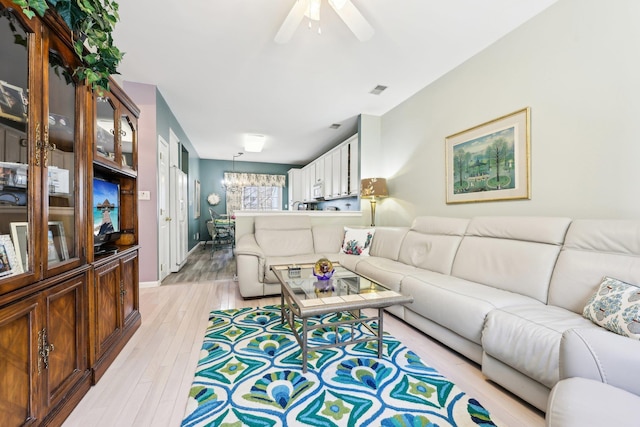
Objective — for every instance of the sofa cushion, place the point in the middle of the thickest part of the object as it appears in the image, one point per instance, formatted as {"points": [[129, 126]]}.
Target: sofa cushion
{"points": [[387, 242], [547, 230], [284, 235], [594, 249], [580, 402], [601, 355], [615, 306], [387, 272], [357, 241], [432, 242], [516, 254], [327, 238], [527, 338], [457, 304], [349, 262]]}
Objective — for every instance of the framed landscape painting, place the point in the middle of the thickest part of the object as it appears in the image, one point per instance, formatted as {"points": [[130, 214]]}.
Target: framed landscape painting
{"points": [[490, 161]]}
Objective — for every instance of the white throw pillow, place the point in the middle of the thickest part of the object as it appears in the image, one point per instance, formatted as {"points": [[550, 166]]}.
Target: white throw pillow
{"points": [[357, 241], [615, 306]]}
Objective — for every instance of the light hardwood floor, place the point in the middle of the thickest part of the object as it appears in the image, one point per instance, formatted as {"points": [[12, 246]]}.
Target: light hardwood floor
{"points": [[149, 381]]}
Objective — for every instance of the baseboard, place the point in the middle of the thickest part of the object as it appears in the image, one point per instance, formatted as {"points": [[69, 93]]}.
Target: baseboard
{"points": [[150, 284], [195, 247]]}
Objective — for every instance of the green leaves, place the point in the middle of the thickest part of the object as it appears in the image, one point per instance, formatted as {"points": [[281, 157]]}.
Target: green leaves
{"points": [[31, 7], [92, 22]]}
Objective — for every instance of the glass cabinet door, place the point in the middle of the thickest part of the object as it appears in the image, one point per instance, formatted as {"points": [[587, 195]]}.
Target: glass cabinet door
{"points": [[128, 141], [59, 157], [105, 146], [16, 180]]}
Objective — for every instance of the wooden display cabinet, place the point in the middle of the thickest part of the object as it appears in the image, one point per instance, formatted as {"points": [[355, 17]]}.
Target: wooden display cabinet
{"points": [[116, 135], [114, 315], [55, 311], [114, 298], [43, 354]]}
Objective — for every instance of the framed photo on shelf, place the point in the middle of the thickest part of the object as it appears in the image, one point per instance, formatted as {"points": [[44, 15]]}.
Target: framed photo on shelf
{"points": [[9, 265], [56, 243], [12, 101], [19, 234], [491, 161]]}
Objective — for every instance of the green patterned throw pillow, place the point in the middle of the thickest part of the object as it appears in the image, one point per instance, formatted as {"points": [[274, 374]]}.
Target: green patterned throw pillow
{"points": [[615, 306], [357, 241]]}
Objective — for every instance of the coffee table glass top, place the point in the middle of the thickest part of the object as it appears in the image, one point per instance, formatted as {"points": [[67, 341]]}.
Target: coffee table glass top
{"points": [[343, 287]]}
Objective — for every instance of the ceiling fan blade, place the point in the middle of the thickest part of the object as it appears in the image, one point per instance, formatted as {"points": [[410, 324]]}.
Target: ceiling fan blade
{"points": [[291, 22], [354, 20]]}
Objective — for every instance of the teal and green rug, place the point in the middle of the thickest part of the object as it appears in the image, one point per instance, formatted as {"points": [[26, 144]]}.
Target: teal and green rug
{"points": [[250, 374]]}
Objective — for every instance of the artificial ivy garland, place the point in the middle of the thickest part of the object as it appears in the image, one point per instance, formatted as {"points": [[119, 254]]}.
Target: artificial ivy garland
{"points": [[92, 22]]}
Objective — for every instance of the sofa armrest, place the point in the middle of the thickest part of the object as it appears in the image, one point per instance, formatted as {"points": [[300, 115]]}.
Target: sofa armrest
{"points": [[600, 355], [247, 245]]}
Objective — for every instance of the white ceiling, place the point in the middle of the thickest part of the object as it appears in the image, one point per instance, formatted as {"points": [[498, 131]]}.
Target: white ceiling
{"points": [[223, 76]]}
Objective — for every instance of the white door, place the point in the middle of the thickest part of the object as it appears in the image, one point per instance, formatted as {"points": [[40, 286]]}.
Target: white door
{"points": [[179, 226], [178, 206], [164, 217], [183, 225]]}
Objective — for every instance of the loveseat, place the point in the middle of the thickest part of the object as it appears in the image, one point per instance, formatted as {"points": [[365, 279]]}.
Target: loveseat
{"points": [[499, 290]]}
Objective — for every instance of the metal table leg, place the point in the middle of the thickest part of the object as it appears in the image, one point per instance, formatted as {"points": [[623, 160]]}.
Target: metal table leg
{"points": [[304, 346], [380, 334]]}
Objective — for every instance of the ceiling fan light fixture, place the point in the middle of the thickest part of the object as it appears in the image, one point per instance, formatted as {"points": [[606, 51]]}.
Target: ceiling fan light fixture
{"points": [[337, 4], [313, 12], [310, 9]]}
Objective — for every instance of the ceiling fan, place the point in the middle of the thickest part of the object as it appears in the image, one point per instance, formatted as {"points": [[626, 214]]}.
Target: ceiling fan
{"points": [[311, 8]]}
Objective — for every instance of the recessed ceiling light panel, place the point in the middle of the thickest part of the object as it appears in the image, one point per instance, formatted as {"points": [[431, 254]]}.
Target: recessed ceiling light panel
{"points": [[254, 143]]}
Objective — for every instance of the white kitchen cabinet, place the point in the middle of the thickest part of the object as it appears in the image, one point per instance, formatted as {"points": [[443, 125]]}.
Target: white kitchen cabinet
{"points": [[344, 170], [328, 177], [354, 167], [337, 172], [295, 188], [306, 188]]}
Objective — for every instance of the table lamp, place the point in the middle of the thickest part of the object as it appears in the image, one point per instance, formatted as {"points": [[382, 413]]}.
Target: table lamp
{"points": [[373, 189]]}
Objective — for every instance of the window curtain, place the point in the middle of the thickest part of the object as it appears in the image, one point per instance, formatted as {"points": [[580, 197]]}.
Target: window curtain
{"points": [[235, 181]]}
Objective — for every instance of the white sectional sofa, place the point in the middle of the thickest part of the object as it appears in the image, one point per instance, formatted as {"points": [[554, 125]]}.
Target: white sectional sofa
{"points": [[499, 290], [600, 381]]}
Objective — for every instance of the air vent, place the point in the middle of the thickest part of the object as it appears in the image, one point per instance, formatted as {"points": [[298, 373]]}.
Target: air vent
{"points": [[378, 89], [335, 126]]}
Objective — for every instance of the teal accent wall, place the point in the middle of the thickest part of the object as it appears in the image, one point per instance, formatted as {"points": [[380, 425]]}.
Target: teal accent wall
{"points": [[212, 173], [165, 120]]}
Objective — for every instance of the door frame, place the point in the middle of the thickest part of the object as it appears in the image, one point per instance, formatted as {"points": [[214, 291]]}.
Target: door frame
{"points": [[164, 257]]}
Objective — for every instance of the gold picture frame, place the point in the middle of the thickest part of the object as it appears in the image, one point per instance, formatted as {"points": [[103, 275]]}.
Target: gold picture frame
{"points": [[491, 161]]}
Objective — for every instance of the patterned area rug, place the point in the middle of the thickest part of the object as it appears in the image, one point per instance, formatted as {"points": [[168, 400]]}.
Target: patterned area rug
{"points": [[250, 374]]}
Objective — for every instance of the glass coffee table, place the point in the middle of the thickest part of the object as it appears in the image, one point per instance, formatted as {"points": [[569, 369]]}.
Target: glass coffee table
{"points": [[303, 296]]}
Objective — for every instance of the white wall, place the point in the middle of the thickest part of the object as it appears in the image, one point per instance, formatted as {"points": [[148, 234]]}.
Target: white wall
{"points": [[577, 65]]}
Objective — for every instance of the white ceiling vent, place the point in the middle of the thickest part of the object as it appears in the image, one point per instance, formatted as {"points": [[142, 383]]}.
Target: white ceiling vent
{"points": [[335, 126], [378, 89]]}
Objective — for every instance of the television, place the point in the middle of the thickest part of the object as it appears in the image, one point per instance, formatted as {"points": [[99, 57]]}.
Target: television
{"points": [[106, 214]]}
